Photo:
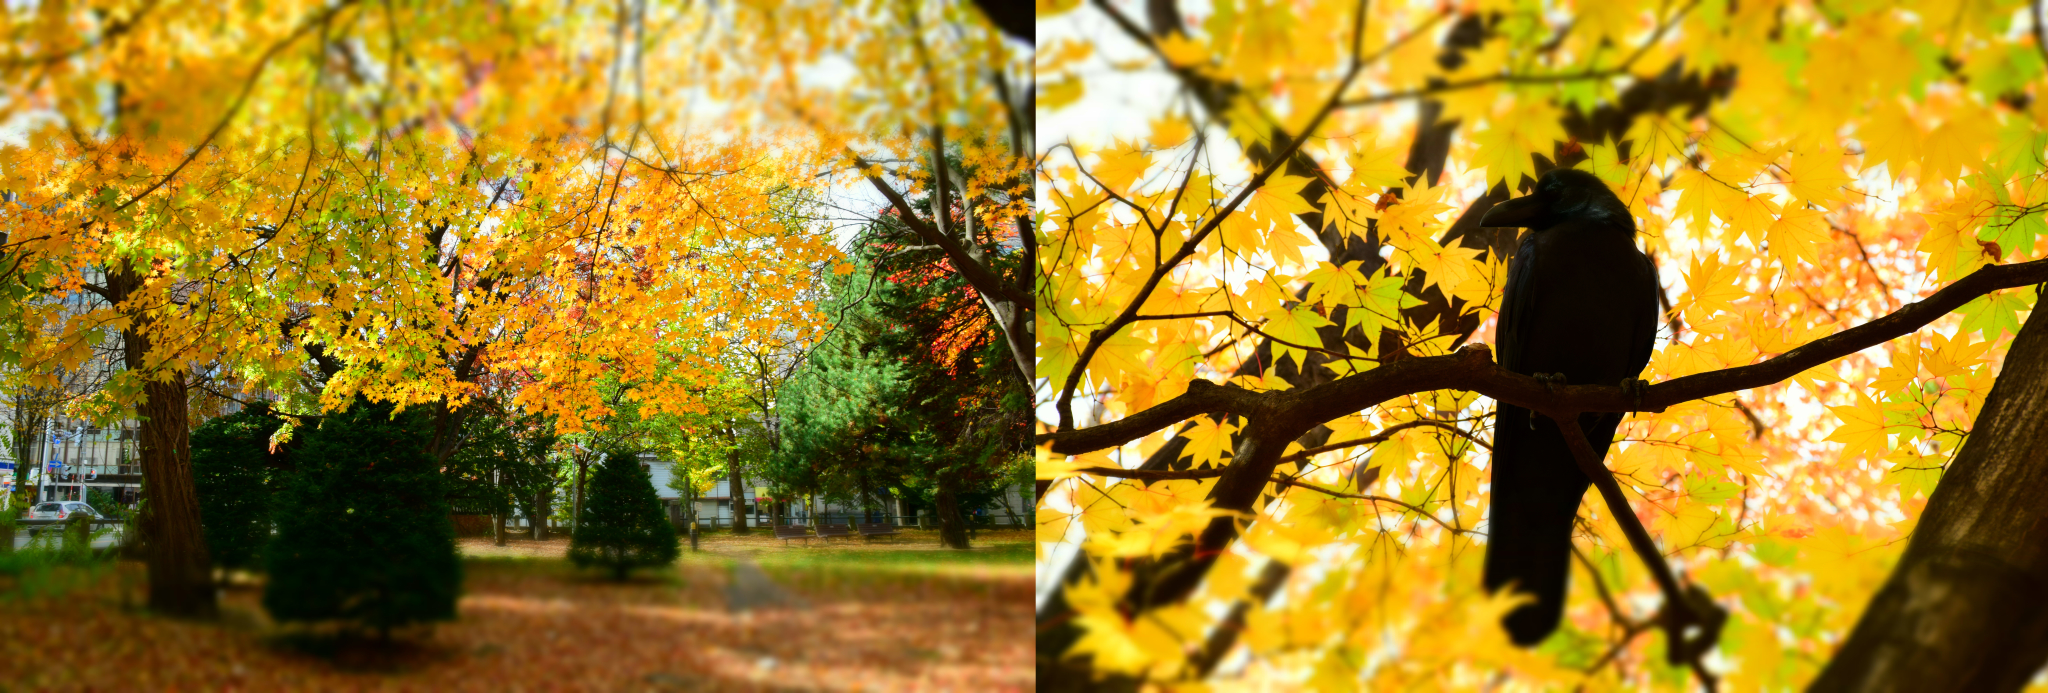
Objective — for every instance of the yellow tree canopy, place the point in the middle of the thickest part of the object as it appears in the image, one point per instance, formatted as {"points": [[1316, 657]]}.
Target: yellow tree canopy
{"points": [[408, 193], [1300, 211]]}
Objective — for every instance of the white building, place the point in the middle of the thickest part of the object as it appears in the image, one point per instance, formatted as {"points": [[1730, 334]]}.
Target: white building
{"points": [[71, 457], [716, 506]]}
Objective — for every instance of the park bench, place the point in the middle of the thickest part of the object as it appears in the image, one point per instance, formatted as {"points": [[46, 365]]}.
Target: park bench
{"points": [[870, 530], [827, 532], [788, 532]]}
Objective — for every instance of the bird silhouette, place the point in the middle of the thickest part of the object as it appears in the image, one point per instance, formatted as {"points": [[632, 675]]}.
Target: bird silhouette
{"points": [[1580, 308]]}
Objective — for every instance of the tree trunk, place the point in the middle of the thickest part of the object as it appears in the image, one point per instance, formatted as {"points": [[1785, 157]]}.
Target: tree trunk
{"points": [[687, 505], [576, 512], [1008, 511], [498, 516], [952, 527], [541, 511], [739, 500], [180, 572], [1963, 609]]}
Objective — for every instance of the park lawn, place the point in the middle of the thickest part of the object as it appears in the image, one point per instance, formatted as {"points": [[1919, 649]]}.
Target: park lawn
{"points": [[996, 554], [533, 622]]}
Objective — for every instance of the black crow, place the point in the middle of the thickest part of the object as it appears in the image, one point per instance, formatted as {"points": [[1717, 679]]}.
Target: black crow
{"points": [[1580, 308]]}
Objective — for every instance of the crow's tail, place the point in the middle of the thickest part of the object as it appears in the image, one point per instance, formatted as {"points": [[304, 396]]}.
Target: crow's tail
{"points": [[1536, 491]]}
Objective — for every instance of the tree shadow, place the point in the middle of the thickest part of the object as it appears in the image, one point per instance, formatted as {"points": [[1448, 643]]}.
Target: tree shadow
{"points": [[346, 649]]}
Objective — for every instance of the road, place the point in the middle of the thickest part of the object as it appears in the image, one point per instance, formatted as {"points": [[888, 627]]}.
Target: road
{"points": [[21, 540]]}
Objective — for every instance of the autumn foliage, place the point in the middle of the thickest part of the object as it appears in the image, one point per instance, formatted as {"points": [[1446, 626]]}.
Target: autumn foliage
{"points": [[1303, 210]]}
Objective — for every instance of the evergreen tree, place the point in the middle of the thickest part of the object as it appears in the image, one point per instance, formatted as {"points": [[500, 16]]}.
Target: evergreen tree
{"points": [[232, 476], [363, 531], [622, 526], [503, 464], [913, 389]]}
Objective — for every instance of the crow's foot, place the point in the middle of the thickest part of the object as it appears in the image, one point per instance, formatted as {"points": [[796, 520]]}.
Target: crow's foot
{"points": [[1632, 388]]}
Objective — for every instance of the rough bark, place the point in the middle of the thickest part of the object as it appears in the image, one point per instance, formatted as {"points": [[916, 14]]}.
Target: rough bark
{"points": [[1963, 611], [180, 571], [739, 495], [952, 526]]}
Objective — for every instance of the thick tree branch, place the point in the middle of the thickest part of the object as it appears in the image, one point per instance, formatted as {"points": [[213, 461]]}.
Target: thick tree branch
{"points": [[1472, 369], [1272, 419], [977, 274]]}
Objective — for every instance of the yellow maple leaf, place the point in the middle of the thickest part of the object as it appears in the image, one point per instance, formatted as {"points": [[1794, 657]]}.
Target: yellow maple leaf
{"points": [[1816, 175], [1952, 356], [1688, 525], [1890, 135], [1694, 203], [1750, 215], [1279, 199], [1120, 165], [1446, 267], [1904, 367], [1377, 166], [1509, 138], [1862, 431], [1209, 441], [1711, 286]]}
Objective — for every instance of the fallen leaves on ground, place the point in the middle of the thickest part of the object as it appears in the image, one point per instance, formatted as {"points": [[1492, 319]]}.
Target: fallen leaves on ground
{"points": [[539, 625]]}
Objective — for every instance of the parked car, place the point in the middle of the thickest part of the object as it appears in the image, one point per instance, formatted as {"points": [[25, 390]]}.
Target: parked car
{"points": [[59, 510]]}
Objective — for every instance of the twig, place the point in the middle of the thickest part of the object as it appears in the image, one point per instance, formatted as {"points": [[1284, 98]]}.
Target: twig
{"points": [[1684, 606], [1284, 482], [1097, 338]]}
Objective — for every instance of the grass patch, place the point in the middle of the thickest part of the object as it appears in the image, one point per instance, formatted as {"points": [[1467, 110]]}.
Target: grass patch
{"points": [[996, 554], [49, 566]]}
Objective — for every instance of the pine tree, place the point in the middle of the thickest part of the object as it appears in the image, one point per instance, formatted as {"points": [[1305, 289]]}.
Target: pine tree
{"points": [[231, 474], [911, 391], [363, 530], [622, 526]]}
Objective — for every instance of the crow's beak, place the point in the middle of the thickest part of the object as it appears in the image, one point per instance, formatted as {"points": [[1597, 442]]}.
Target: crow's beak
{"points": [[1516, 212]]}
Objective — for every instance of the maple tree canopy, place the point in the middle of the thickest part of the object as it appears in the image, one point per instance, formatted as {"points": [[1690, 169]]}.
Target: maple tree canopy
{"points": [[1266, 303], [403, 200]]}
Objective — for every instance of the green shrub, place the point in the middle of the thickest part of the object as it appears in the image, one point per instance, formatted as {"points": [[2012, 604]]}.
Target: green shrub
{"points": [[622, 526], [103, 502], [363, 535], [231, 474]]}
